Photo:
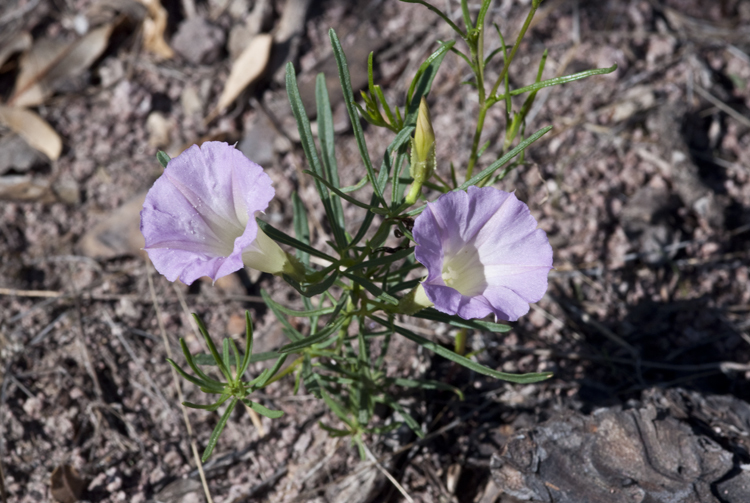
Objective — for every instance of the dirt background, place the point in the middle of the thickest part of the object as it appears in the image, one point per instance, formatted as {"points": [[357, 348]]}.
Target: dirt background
{"points": [[642, 185]]}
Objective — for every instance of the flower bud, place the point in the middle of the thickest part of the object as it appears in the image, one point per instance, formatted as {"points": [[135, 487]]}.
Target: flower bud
{"points": [[422, 152]]}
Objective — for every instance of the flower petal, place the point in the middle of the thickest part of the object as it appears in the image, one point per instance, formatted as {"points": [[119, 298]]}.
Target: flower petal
{"points": [[508, 257], [200, 214]]}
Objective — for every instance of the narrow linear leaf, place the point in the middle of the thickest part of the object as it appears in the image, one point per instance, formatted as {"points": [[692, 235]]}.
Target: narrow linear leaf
{"points": [[286, 239], [561, 80], [336, 407], [461, 360], [217, 431], [292, 332], [435, 315], [263, 411], [301, 229], [345, 196], [346, 87], [504, 159], [328, 156], [208, 360], [314, 289], [422, 81], [386, 259], [372, 288]]}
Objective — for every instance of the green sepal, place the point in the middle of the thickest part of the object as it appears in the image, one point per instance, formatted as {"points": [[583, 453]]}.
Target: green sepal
{"points": [[163, 158]]}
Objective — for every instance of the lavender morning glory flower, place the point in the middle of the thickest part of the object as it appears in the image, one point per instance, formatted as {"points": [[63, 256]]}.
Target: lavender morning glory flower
{"points": [[483, 254], [199, 217]]}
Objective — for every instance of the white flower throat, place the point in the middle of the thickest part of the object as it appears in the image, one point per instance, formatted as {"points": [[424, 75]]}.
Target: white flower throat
{"points": [[464, 271]]}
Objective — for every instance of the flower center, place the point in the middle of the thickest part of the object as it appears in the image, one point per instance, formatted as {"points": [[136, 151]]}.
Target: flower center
{"points": [[464, 271]]}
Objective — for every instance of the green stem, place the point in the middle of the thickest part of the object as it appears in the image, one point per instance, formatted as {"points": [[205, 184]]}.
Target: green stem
{"points": [[485, 104], [460, 343], [509, 59]]}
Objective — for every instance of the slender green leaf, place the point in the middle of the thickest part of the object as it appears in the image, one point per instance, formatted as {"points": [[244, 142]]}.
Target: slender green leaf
{"points": [[435, 315], [372, 288], [386, 259], [301, 229], [422, 81], [365, 226], [408, 419], [336, 408], [439, 13], [208, 360], [561, 80], [426, 384], [357, 186], [333, 325], [211, 407], [263, 411], [192, 362], [328, 156], [507, 157], [314, 289], [334, 432], [248, 345], [215, 387], [346, 196], [346, 88], [462, 360], [225, 355], [217, 431], [286, 239], [204, 332], [292, 332], [319, 336], [267, 374]]}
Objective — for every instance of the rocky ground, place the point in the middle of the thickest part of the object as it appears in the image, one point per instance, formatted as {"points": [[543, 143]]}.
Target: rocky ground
{"points": [[643, 186]]}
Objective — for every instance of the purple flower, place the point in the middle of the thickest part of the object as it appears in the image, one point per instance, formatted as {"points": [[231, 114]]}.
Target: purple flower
{"points": [[483, 254], [199, 217]]}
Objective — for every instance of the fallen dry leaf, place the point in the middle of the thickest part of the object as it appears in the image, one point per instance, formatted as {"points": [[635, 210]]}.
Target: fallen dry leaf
{"points": [[23, 188], [153, 29], [48, 63], [32, 128], [17, 43], [246, 69], [66, 485]]}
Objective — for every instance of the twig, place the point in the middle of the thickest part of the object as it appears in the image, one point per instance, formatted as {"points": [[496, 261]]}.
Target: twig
{"points": [[82, 344], [56, 294], [387, 474], [117, 332], [176, 381], [266, 484], [723, 106], [2, 432], [606, 332], [188, 6]]}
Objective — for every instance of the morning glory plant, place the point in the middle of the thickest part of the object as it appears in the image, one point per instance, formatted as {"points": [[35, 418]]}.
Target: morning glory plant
{"points": [[466, 249]]}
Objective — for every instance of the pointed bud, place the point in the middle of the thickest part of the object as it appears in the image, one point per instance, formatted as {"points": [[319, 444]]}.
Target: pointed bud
{"points": [[422, 152]]}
